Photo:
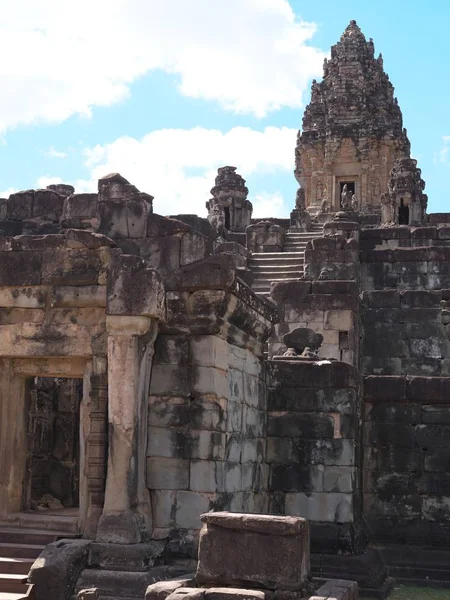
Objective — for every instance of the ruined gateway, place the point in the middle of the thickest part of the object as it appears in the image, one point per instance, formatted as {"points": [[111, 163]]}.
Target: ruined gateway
{"points": [[154, 368]]}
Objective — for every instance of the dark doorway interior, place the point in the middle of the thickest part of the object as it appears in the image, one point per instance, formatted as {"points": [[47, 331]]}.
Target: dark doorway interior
{"points": [[53, 444], [350, 186], [227, 217], [403, 213]]}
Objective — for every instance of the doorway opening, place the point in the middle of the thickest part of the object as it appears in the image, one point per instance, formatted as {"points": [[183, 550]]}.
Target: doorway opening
{"points": [[53, 434], [351, 187], [227, 217], [403, 213]]}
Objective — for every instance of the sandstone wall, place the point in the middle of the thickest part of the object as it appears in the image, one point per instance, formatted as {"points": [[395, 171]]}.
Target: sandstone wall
{"points": [[407, 458], [313, 448]]}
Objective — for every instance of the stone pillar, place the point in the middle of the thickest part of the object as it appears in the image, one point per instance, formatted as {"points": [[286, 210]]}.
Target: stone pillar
{"points": [[126, 513], [134, 306], [93, 444], [13, 432]]}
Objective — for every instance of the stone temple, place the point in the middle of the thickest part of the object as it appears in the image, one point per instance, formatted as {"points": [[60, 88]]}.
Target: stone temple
{"points": [[224, 406]]}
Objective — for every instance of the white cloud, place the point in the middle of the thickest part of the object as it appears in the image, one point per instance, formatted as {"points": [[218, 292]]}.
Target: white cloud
{"points": [[53, 153], [443, 155], [178, 166], [43, 182], [268, 205], [63, 58], [8, 192]]}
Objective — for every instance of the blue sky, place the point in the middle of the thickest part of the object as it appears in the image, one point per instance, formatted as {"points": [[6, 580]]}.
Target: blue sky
{"points": [[165, 91]]}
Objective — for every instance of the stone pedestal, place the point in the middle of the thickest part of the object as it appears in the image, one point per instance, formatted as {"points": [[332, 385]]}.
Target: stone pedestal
{"points": [[257, 550]]}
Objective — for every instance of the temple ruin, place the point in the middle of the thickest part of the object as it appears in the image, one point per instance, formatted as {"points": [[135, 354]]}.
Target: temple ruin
{"points": [[285, 382]]}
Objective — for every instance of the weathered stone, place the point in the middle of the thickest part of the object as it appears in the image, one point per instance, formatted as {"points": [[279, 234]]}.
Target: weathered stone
{"points": [[56, 571], [269, 551]]}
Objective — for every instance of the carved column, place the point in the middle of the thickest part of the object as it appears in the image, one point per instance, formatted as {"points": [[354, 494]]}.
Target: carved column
{"points": [[126, 513], [93, 444]]}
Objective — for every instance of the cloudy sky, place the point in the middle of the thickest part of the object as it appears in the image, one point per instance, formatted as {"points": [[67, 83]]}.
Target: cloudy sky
{"points": [[166, 91]]}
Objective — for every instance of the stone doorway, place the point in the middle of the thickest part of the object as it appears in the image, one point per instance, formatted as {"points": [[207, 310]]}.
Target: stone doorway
{"points": [[52, 472], [403, 213]]}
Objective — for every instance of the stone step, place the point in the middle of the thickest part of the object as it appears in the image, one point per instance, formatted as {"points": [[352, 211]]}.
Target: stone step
{"points": [[15, 535], [276, 267], [270, 276], [20, 550], [124, 584], [20, 566], [10, 582], [41, 521], [12, 596], [274, 255]]}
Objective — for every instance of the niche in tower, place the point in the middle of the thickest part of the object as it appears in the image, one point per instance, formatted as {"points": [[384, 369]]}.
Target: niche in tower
{"points": [[403, 213]]}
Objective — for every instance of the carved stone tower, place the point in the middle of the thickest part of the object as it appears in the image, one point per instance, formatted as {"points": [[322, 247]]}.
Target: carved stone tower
{"points": [[352, 130], [230, 198]]}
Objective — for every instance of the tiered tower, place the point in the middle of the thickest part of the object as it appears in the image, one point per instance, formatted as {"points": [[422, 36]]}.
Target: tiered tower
{"points": [[352, 130]]}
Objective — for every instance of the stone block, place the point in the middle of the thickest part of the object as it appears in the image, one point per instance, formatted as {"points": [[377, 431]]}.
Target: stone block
{"points": [[303, 425], [384, 388], [20, 268], [48, 204], [134, 289], [339, 479], [429, 389], [209, 351], [324, 507], [125, 557], [341, 320], [214, 476], [71, 267], [337, 452], [57, 569], [337, 589], [80, 206], [88, 594], [167, 473], [162, 589], [20, 205], [267, 551], [296, 478], [194, 247], [170, 380], [190, 505], [18, 297], [164, 505], [209, 380], [78, 296]]}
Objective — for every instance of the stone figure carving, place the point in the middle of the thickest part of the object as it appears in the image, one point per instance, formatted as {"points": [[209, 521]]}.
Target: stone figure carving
{"points": [[303, 341], [355, 203], [216, 217], [319, 191], [300, 202], [346, 198], [325, 207]]}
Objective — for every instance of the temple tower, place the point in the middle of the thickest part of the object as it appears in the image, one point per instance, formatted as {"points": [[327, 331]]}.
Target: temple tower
{"points": [[353, 131]]}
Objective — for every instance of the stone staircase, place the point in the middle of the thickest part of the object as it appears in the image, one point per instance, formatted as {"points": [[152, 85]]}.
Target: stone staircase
{"points": [[20, 545], [268, 267]]}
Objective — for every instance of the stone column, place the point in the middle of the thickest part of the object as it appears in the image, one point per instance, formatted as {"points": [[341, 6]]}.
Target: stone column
{"points": [[126, 512], [93, 444], [134, 307]]}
